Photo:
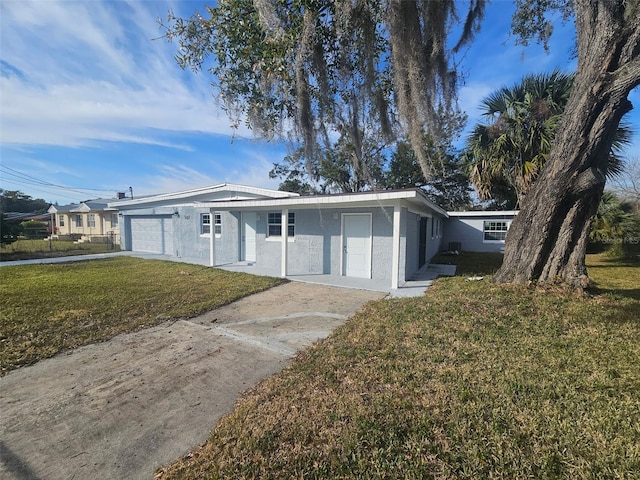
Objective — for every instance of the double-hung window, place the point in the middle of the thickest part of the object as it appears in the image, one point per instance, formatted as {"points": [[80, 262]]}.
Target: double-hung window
{"points": [[495, 230], [79, 220], [92, 220], [217, 224], [114, 220], [61, 217], [205, 224], [274, 226]]}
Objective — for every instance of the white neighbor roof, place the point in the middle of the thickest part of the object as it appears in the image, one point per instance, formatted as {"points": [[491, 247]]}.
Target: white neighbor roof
{"points": [[97, 205]]}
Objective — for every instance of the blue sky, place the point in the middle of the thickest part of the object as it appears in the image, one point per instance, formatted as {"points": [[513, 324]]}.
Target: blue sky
{"points": [[90, 102]]}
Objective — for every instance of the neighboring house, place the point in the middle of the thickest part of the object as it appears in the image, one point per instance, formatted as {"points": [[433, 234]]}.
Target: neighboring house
{"points": [[477, 231], [385, 235], [91, 221]]}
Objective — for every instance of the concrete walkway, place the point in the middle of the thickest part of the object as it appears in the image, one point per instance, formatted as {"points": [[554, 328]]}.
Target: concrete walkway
{"points": [[72, 258], [122, 408], [414, 287]]}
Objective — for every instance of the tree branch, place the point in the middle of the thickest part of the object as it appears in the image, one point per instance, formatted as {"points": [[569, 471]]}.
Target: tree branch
{"points": [[627, 77]]}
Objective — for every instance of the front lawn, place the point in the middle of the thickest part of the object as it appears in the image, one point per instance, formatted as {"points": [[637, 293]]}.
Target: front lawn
{"points": [[472, 380], [45, 309]]}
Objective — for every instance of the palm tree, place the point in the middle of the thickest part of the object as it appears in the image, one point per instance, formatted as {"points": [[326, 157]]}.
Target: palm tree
{"points": [[512, 148], [615, 224]]}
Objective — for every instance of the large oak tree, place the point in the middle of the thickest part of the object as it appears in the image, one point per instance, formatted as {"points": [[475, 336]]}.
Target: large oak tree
{"points": [[548, 239], [312, 70]]}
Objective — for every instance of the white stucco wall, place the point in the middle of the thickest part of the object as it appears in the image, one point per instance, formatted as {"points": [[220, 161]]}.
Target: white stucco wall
{"points": [[467, 229]]}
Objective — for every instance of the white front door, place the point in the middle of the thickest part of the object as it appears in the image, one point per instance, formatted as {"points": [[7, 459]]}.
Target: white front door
{"points": [[356, 245], [249, 237]]}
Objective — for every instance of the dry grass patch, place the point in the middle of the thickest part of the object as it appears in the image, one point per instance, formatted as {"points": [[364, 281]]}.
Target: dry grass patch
{"points": [[28, 249], [472, 380], [45, 309]]}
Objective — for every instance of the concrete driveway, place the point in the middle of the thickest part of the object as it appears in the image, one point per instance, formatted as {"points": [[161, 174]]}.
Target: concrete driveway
{"points": [[122, 408]]}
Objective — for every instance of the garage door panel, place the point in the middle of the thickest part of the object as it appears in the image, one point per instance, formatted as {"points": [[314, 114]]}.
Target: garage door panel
{"points": [[152, 234]]}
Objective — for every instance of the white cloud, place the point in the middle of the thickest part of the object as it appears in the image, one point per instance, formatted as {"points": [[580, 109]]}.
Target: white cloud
{"points": [[174, 178], [246, 167], [82, 72], [470, 96], [255, 171]]}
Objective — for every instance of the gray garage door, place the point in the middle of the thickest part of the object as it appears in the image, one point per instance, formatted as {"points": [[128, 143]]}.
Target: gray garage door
{"points": [[152, 234]]}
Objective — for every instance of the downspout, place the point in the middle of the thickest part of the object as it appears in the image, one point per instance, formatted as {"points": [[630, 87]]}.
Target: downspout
{"points": [[284, 235], [212, 238], [395, 264]]}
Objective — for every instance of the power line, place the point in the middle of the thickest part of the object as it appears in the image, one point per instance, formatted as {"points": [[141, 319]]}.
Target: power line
{"points": [[31, 180], [28, 183], [43, 182], [49, 192]]}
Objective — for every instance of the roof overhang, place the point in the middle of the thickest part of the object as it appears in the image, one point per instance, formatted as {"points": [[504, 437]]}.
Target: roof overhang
{"points": [[184, 196], [485, 213], [412, 197]]}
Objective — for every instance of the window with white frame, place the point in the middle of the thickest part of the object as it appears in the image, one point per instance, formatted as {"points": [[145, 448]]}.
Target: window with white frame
{"points": [[79, 220], [217, 224], [61, 217], [114, 220], [274, 226], [495, 230], [205, 224], [91, 222]]}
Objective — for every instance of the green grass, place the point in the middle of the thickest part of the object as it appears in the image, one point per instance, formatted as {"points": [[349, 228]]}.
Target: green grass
{"points": [[473, 380], [471, 263], [45, 309], [28, 249], [618, 277]]}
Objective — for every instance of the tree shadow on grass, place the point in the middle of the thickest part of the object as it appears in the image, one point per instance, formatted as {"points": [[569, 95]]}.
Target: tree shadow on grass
{"points": [[624, 312], [633, 293], [614, 275], [616, 262]]}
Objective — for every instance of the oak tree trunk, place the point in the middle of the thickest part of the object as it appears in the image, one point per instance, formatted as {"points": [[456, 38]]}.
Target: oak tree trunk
{"points": [[547, 240]]}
